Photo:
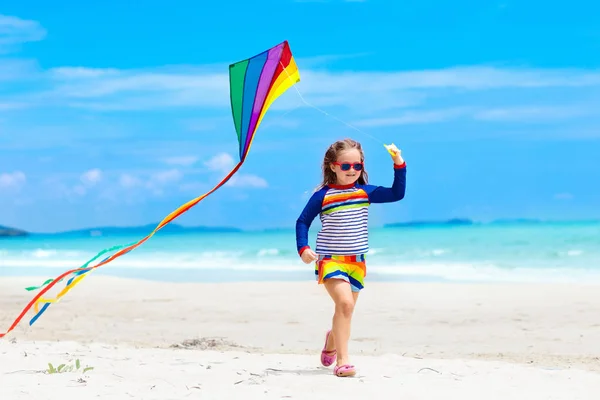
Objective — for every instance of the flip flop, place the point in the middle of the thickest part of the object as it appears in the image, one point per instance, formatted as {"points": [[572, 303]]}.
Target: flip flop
{"points": [[327, 357], [344, 370]]}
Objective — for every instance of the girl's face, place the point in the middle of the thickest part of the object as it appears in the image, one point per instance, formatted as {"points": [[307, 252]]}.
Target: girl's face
{"points": [[348, 167]]}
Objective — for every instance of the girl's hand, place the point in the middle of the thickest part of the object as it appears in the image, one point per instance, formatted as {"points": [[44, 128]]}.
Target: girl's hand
{"points": [[397, 156], [308, 256]]}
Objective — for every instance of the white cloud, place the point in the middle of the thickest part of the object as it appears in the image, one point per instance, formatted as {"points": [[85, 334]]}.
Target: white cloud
{"points": [[12, 180], [15, 31], [247, 180], [155, 182], [129, 181], [82, 73], [224, 162], [162, 177], [91, 177], [111, 89], [148, 90], [376, 95], [221, 162], [372, 98], [115, 184], [522, 114], [87, 180]]}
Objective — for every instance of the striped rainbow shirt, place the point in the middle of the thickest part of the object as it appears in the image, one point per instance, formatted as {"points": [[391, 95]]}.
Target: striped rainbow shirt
{"points": [[344, 214]]}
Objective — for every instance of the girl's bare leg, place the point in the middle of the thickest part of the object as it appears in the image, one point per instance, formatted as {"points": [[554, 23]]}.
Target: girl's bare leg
{"points": [[344, 300], [331, 339]]}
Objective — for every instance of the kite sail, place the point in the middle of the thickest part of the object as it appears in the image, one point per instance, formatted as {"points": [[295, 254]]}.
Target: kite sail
{"points": [[254, 84]]}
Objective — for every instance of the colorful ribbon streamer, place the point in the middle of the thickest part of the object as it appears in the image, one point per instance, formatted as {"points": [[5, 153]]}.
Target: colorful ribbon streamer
{"points": [[254, 84], [82, 272]]}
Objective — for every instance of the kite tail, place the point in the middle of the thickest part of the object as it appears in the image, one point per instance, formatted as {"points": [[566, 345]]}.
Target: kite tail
{"points": [[82, 272]]}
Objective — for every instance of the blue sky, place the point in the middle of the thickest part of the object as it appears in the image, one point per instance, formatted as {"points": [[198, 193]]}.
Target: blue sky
{"points": [[115, 114]]}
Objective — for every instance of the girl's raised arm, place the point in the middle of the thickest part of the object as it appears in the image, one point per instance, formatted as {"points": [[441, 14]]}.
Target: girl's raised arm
{"points": [[381, 194]]}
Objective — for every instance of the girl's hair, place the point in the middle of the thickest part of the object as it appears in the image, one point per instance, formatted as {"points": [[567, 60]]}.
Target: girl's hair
{"points": [[331, 155]]}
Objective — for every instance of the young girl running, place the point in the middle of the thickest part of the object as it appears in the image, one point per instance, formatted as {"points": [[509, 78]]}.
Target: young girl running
{"points": [[343, 200]]}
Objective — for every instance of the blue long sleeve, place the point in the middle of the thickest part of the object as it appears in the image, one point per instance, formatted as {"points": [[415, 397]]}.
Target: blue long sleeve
{"points": [[344, 234], [310, 212], [381, 194]]}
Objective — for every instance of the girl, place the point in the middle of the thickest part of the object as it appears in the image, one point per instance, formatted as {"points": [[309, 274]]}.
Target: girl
{"points": [[343, 200]]}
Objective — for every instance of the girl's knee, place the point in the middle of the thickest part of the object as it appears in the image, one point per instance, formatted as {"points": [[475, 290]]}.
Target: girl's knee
{"points": [[341, 294], [345, 306]]}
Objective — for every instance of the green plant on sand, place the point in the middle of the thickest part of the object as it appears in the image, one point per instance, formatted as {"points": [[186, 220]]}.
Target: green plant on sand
{"points": [[67, 368]]}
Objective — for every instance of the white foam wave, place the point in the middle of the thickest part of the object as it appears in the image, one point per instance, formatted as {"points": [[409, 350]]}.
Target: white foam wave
{"points": [[276, 259], [268, 252], [575, 252], [41, 253], [179, 261], [488, 273], [223, 261]]}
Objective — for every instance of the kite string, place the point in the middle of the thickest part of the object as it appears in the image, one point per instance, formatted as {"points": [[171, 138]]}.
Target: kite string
{"points": [[326, 113], [272, 123]]}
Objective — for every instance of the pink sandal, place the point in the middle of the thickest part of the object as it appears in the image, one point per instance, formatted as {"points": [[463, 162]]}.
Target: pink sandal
{"points": [[327, 357], [344, 370]]}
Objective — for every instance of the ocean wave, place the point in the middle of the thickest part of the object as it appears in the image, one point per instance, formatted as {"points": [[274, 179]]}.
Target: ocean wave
{"points": [[482, 272], [41, 253], [201, 260], [221, 262], [574, 253], [268, 252]]}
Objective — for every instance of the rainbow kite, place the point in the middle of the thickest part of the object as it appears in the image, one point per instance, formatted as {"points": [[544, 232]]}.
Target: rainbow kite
{"points": [[254, 84]]}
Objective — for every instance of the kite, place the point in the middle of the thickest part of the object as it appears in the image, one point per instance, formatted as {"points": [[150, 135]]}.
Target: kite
{"points": [[254, 84]]}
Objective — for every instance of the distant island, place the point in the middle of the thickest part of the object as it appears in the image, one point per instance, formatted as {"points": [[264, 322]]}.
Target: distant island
{"points": [[169, 228], [468, 222], [174, 228], [115, 230], [5, 231], [453, 222]]}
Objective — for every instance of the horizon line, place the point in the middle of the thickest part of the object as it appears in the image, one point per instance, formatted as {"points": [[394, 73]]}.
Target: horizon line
{"points": [[457, 221]]}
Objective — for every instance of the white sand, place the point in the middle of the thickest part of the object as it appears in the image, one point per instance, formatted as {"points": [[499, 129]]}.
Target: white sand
{"points": [[480, 341]]}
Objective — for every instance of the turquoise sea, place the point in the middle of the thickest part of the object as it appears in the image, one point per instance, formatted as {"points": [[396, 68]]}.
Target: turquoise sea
{"points": [[514, 251]]}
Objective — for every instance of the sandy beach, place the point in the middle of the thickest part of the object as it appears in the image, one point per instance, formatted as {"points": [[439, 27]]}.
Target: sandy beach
{"points": [[155, 340]]}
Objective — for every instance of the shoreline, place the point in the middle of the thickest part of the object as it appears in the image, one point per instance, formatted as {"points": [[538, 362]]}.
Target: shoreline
{"points": [[297, 272]]}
